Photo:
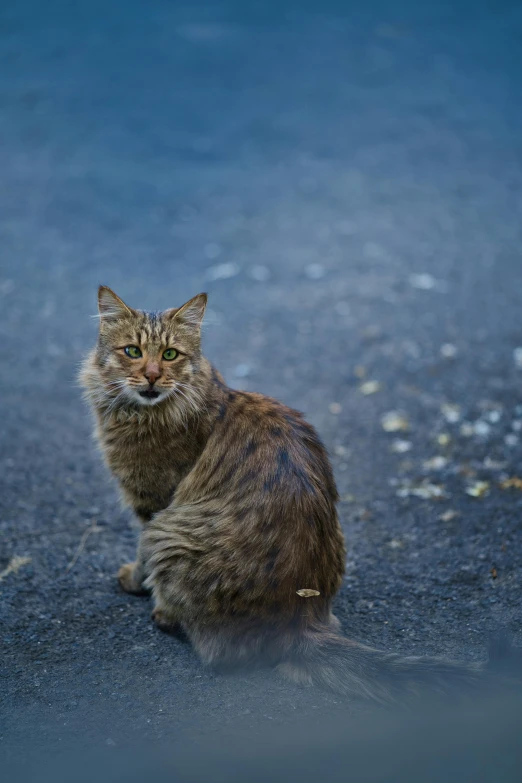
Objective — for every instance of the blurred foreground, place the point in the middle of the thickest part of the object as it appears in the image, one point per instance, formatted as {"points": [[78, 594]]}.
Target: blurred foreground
{"points": [[474, 743]]}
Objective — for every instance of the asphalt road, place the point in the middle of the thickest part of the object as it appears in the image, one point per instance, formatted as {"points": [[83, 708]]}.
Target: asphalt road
{"points": [[345, 181]]}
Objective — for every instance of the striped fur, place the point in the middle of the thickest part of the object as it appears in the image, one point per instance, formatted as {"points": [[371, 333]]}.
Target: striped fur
{"points": [[237, 500]]}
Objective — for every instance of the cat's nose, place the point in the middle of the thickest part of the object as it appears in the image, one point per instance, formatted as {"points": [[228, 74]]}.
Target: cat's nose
{"points": [[152, 373]]}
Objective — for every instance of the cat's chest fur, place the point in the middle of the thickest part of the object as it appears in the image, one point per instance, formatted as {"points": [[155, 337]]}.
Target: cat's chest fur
{"points": [[148, 459]]}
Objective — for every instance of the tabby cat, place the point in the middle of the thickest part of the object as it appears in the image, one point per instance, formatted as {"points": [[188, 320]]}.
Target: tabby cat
{"points": [[240, 542]]}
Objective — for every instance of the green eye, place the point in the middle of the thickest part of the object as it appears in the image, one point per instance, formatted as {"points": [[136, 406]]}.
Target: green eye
{"points": [[170, 354], [133, 351]]}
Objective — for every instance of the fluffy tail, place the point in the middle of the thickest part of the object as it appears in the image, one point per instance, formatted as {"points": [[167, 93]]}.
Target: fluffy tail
{"points": [[323, 657]]}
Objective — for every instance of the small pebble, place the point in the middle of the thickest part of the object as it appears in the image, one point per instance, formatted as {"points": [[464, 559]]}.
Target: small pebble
{"points": [[492, 464], [400, 446], [370, 387], [335, 408], [449, 515], [512, 483], [511, 440], [260, 273], [222, 271], [481, 428], [443, 439], [435, 463], [448, 351], [426, 491], [315, 271], [424, 282], [478, 490], [451, 412], [517, 357], [394, 422]]}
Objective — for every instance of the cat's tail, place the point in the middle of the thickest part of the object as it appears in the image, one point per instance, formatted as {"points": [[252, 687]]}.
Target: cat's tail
{"points": [[325, 658]]}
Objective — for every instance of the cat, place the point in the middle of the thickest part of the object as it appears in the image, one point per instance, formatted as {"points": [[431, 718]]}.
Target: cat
{"points": [[240, 542]]}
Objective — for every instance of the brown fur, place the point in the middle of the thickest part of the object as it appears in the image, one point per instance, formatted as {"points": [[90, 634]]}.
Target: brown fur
{"points": [[237, 500]]}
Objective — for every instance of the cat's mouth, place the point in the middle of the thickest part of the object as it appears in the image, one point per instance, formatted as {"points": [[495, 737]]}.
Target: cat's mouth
{"points": [[150, 394]]}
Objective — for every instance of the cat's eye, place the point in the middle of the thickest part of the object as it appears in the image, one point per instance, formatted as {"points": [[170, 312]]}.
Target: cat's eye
{"points": [[133, 351], [170, 354]]}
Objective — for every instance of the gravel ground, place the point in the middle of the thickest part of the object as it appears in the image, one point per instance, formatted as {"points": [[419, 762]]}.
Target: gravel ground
{"points": [[345, 182]]}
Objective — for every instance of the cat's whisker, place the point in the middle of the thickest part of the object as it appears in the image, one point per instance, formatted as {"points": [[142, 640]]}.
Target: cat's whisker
{"points": [[116, 387], [186, 408], [114, 403], [184, 395], [181, 394], [192, 403], [180, 410], [198, 397]]}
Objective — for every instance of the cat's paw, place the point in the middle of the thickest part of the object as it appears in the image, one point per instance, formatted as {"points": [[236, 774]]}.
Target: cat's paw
{"points": [[164, 621], [127, 577]]}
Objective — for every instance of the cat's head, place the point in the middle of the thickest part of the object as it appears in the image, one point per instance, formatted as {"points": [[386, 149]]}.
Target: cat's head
{"points": [[145, 358]]}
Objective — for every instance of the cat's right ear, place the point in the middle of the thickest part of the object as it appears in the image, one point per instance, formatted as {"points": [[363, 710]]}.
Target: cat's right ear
{"points": [[110, 306], [192, 312]]}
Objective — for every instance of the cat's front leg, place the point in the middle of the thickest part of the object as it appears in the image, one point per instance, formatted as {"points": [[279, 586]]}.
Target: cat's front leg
{"points": [[132, 575]]}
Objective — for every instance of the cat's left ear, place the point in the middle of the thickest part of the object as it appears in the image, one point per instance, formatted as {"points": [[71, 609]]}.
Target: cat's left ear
{"points": [[192, 312]]}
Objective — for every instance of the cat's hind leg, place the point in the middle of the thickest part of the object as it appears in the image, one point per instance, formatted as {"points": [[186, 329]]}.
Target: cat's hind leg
{"points": [[168, 622], [165, 619]]}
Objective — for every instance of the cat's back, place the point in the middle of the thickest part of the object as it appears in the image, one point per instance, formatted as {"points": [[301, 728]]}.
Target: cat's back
{"points": [[261, 447], [259, 508]]}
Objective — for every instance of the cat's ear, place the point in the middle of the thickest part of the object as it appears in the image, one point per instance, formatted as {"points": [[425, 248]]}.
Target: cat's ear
{"points": [[192, 312], [110, 306]]}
